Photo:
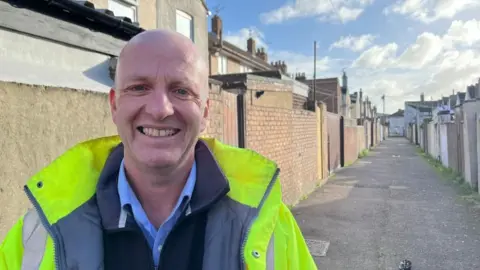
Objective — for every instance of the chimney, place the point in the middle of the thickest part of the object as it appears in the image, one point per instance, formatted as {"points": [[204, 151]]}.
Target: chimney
{"points": [[262, 54], [422, 97], [251, 46], [360, 101], [217, 26], [283, 67]]}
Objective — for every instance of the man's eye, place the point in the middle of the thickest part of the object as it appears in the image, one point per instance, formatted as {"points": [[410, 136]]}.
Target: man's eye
{"points": [[138, 88], [181, 91]]}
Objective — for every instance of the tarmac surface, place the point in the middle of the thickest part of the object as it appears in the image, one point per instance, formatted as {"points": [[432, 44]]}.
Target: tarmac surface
{"points": [[386, 207]]}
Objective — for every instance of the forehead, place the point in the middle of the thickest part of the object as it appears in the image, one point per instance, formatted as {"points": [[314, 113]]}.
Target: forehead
{"points": [[147, 60]]}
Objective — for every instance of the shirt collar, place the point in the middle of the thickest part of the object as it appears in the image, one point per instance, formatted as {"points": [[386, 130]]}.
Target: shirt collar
{"points": [[128, 197]]}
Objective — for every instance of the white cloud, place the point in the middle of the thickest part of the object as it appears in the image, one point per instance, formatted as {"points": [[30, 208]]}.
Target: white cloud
{"points": [[299, 62], [377, 57], [240, 37], [354, 43], [463, 33], [433, 65], [425, 50], [429, 11], [331, 10]]}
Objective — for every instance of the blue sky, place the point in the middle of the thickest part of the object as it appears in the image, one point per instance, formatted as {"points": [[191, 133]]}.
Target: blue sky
{"points": [[398, 48]]}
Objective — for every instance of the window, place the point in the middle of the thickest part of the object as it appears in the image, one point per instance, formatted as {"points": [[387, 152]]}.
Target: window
{"points": [[184, 24], [123, 9], [222, 64], [245, 69]]}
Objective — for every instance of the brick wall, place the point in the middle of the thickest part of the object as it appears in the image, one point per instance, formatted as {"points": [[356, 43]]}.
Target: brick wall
{"points": [[361, 138], [222, 118], [351, 147], [333, 138], [215, 113], [328, 91], [299, 101], [305, 145], [286, 135], [322, 148]]}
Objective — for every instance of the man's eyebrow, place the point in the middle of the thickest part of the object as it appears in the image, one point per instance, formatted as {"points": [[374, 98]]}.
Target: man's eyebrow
{"points": [[137, 77]]}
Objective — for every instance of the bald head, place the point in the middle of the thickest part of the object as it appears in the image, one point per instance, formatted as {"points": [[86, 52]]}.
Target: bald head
{"points": [[164, 47]]}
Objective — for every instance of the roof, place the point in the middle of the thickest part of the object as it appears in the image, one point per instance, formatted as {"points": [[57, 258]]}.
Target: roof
{"points": [[471, 91], [418, 104], [398, 113], [461, 96], [353, 98], [83, 13], [241, 55], [453, 101]]}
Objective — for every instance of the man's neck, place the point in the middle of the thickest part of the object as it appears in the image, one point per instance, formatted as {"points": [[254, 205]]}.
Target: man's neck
{"points": [[158, 190]]}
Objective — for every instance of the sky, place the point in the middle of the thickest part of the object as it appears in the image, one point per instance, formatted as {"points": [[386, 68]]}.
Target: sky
{"points": [[396, 48]]}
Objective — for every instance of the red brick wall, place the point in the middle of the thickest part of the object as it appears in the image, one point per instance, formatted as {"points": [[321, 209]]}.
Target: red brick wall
{"points": [[289, 137], [299, 101], [222, 116], [304, 169], [276, 130], [215, 114], [351, 150]]}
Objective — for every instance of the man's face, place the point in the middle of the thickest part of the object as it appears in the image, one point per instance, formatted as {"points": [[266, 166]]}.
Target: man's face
{"points": [[158, 104]]}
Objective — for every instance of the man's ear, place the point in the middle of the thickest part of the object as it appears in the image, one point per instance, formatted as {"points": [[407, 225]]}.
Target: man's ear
{"points": [[203, 125], [113, 103]]}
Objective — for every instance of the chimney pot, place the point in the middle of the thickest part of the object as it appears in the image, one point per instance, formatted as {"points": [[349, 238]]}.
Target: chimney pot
{"points": [[217, 27], [251, 47]]}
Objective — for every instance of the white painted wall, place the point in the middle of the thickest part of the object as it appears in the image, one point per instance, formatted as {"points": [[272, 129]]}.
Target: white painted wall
{"points": [[443, 145], [30, 60], [396, 126]]}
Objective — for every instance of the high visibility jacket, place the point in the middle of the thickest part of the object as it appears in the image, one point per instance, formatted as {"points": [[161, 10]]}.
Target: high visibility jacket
{"points": [[61, 230]]}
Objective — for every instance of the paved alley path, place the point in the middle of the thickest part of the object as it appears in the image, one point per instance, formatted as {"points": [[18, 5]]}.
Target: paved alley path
{"points": [[385, 208]]}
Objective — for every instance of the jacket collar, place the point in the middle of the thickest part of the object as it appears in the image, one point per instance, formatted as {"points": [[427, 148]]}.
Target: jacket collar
{"points": [[74, 177], [211, 184]]}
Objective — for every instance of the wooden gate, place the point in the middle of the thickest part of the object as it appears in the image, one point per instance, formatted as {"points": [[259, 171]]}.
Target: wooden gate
{"points": [[230, 121]]}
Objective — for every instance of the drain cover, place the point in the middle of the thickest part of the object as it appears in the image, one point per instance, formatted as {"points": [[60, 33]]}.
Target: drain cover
{"points": [[318, 248]]}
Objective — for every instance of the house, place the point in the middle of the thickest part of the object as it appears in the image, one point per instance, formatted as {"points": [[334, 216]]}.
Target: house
{"points": [[226, 58], [188, 17], [473, 92], [396, 124], [327, 90], [417, 111]]}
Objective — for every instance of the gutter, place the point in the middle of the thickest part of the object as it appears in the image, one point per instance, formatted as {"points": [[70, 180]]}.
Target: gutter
{"points": [[83, 13]]}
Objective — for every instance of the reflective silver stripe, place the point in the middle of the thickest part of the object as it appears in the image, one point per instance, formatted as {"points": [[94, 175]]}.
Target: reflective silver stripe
{"points": [[34, 239], [271, 254], [123, 218]]}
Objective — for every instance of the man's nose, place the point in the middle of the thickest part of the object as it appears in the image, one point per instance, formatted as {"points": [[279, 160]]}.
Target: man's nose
{"points": [[159, 104]]}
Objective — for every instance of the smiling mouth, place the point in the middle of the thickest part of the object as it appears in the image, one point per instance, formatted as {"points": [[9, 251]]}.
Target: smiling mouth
{"points": [[155, 132]]}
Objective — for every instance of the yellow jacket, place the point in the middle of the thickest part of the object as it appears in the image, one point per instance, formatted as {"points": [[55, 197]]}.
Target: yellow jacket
{"points": [[273, 241]]}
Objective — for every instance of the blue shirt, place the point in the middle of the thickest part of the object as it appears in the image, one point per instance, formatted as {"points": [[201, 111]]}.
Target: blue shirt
{"points": [[155, 237]]}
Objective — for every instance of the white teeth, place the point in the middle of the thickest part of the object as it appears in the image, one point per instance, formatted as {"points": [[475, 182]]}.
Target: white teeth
{"points": [[158, 132]]}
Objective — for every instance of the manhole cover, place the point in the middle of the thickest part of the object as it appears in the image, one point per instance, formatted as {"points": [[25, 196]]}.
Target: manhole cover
{"points": [[318, 248]]}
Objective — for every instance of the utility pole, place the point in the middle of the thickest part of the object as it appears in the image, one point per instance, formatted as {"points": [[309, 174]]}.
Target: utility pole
{"points": [[383, 100], [314, 72]]}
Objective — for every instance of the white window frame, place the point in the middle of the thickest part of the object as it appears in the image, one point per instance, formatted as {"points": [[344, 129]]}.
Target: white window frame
{"points": [[183, 15], [222, 65], [132, 4], [245, 69]]}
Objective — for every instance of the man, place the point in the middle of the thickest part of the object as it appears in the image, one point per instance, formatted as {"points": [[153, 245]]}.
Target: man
{"points": [[161, 198]]}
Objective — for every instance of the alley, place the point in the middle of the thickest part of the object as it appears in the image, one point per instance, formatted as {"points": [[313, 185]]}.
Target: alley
{"points": [[386, 207]]}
